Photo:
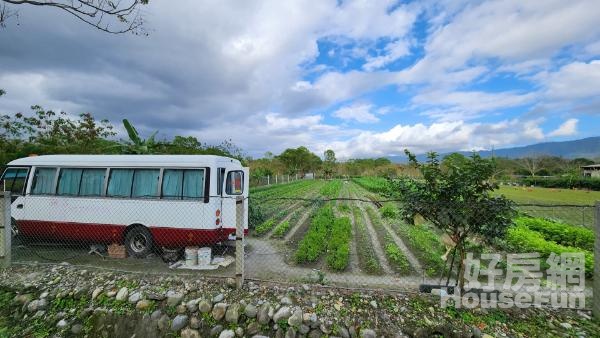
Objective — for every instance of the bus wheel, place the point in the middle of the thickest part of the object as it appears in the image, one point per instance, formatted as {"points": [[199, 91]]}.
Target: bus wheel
{"points": [[138, 242]]}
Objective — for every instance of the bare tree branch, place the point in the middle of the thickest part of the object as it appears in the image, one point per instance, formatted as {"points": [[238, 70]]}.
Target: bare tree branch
{"points": [[114, 17]]}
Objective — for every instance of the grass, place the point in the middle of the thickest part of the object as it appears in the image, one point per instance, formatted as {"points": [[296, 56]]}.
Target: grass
{"points": [[549, 195]]}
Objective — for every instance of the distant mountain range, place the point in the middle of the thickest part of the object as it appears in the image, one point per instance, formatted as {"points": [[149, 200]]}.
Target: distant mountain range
{"points": [[587, 147]]}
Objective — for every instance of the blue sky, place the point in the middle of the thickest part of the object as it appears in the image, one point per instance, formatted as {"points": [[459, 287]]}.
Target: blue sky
{"points": [[364, 78]]}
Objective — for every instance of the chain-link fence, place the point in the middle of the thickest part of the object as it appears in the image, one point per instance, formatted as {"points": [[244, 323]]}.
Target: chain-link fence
{"points": [[310, 231]]}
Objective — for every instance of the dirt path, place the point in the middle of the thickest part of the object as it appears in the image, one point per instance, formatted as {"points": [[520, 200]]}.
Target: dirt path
{"points": [[414, 262]]}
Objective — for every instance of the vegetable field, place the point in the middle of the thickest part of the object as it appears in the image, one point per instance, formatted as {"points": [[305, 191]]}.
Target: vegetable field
{"points": [[338, 231]]}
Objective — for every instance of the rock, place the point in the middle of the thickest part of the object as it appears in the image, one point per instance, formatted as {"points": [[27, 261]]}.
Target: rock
{"points": [[174, 298], [218, 311], [367, 333], [163, 322], [343, 332], [143, 305], [325, 328], [192, 306], [315, 334], [233, 313], [156, 315], [76, 329], [309, 318], [373, 304], [155, 296], [286, 301], [189, 333], [218, 298], [179, 322], [296, 318], [263, 314], [290, 333], [566, 326], [283, 313], [216, 330], [32, 306], [181, 309], [111, 293], [96, 292], [204, 306], [253, 328], [231, 282], [485, 335], [62, 324], [23, 299], [194, 322], [250, 311], [44, 295], [135, 297], [352, 331], [303, 329], [239, 332], [122, 294], [475, 332]]}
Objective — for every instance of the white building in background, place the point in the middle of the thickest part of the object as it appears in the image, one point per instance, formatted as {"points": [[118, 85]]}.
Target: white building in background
{"points": [[592, 170]]}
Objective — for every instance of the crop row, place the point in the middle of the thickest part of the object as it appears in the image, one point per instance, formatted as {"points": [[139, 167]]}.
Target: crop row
{"points": [[425, 244], [393, 253], [378, 185], [561, 233], [338, 245], [367, 258], [311, 246], [331, 189], [520, 238]]}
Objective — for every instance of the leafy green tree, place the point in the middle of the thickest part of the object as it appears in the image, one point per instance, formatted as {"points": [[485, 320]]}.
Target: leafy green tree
{"points": [[457, 199], [329, 163], [299, 160]]}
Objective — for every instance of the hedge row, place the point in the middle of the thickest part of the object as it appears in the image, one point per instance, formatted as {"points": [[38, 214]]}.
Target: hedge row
{"points": [[520, 238], [564, 234], [563, 182]]}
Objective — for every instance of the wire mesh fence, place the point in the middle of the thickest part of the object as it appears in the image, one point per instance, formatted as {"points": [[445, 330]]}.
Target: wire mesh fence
{"points": [[310, 231]]}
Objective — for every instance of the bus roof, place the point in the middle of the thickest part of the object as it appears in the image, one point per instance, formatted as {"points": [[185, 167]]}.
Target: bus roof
{"points": [[125, 160]]}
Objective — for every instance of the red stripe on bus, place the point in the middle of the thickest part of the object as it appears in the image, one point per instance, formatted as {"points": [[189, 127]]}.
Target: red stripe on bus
{"points": [[112, 233]]}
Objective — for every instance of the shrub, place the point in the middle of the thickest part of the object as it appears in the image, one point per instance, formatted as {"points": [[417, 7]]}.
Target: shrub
{"points": [[560, 233], [520, 238], [564, 182], [389, 211]]}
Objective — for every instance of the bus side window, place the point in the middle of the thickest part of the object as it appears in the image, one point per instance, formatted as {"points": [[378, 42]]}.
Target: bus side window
{"points": [[235, 185], [14, 180], [43, 181]]}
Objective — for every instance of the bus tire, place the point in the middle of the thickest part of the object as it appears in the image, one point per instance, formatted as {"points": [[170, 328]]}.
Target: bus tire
{"points": [[138, 242]]}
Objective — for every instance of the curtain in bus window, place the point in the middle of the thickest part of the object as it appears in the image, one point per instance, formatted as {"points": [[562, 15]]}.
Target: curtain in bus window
{"points": [[92, 181], [68, 181], [145, 183], [172, 184], [193, 184], [43, 182], [119, 182]]}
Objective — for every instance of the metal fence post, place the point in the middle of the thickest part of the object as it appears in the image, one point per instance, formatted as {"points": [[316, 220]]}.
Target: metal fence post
{"points": [[596, 291], [5, 230], [239, 243]]}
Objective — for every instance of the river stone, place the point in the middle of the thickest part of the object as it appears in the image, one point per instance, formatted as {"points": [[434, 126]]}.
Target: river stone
{"points": [[204, 306], [344, 332], [143, 305], [239, 331], [122, 294], [135, 297], [216, 330], [218, 311], [62, 324], [181, 309], [155, 295], [174, 298], [76, 329], [303, 329], [263, 314], [218, 298], [367, 333], [290, 333], [282, 314], [23, 299], [163, 322], [296, 318], [250, 311], [194, 322], [96, 292], [179, 322], [233, 313], [227, 334], [156, 315], [192, 306], [189, 333], [315, 334], [286, 301], [253, 328], [111, 293]]}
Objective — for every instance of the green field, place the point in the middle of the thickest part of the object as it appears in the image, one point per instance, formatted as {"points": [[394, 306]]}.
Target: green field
{"points": [[549, 195]]}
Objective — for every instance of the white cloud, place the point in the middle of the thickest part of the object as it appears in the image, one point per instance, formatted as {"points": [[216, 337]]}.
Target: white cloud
{"points": [[361, 112], [568, 128], [573, 81], [392, 52]]}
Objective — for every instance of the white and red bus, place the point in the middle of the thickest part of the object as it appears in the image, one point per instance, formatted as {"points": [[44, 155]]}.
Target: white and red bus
{"points": [[142, 201]]}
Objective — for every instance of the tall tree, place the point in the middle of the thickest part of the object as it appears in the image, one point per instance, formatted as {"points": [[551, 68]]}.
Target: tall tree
{"points": [[108, 16], [531, 164], [299, 160], [329, 163]]}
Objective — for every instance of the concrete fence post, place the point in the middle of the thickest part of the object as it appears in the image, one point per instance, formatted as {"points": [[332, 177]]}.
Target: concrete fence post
{"points": [[268, 180], [241, 203], [596, 291], [5, 230]]}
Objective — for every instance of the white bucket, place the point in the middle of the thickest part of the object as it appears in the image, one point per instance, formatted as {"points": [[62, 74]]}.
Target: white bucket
{"points": [[204, 256], [191, 256]]}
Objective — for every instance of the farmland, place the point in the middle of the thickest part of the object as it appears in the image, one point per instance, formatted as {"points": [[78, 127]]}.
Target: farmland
{"points": [[336, 231]]}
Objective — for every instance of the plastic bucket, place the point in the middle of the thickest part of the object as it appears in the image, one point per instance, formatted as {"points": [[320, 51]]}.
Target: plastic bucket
{"points": [[204, 256], [191, 256]]}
